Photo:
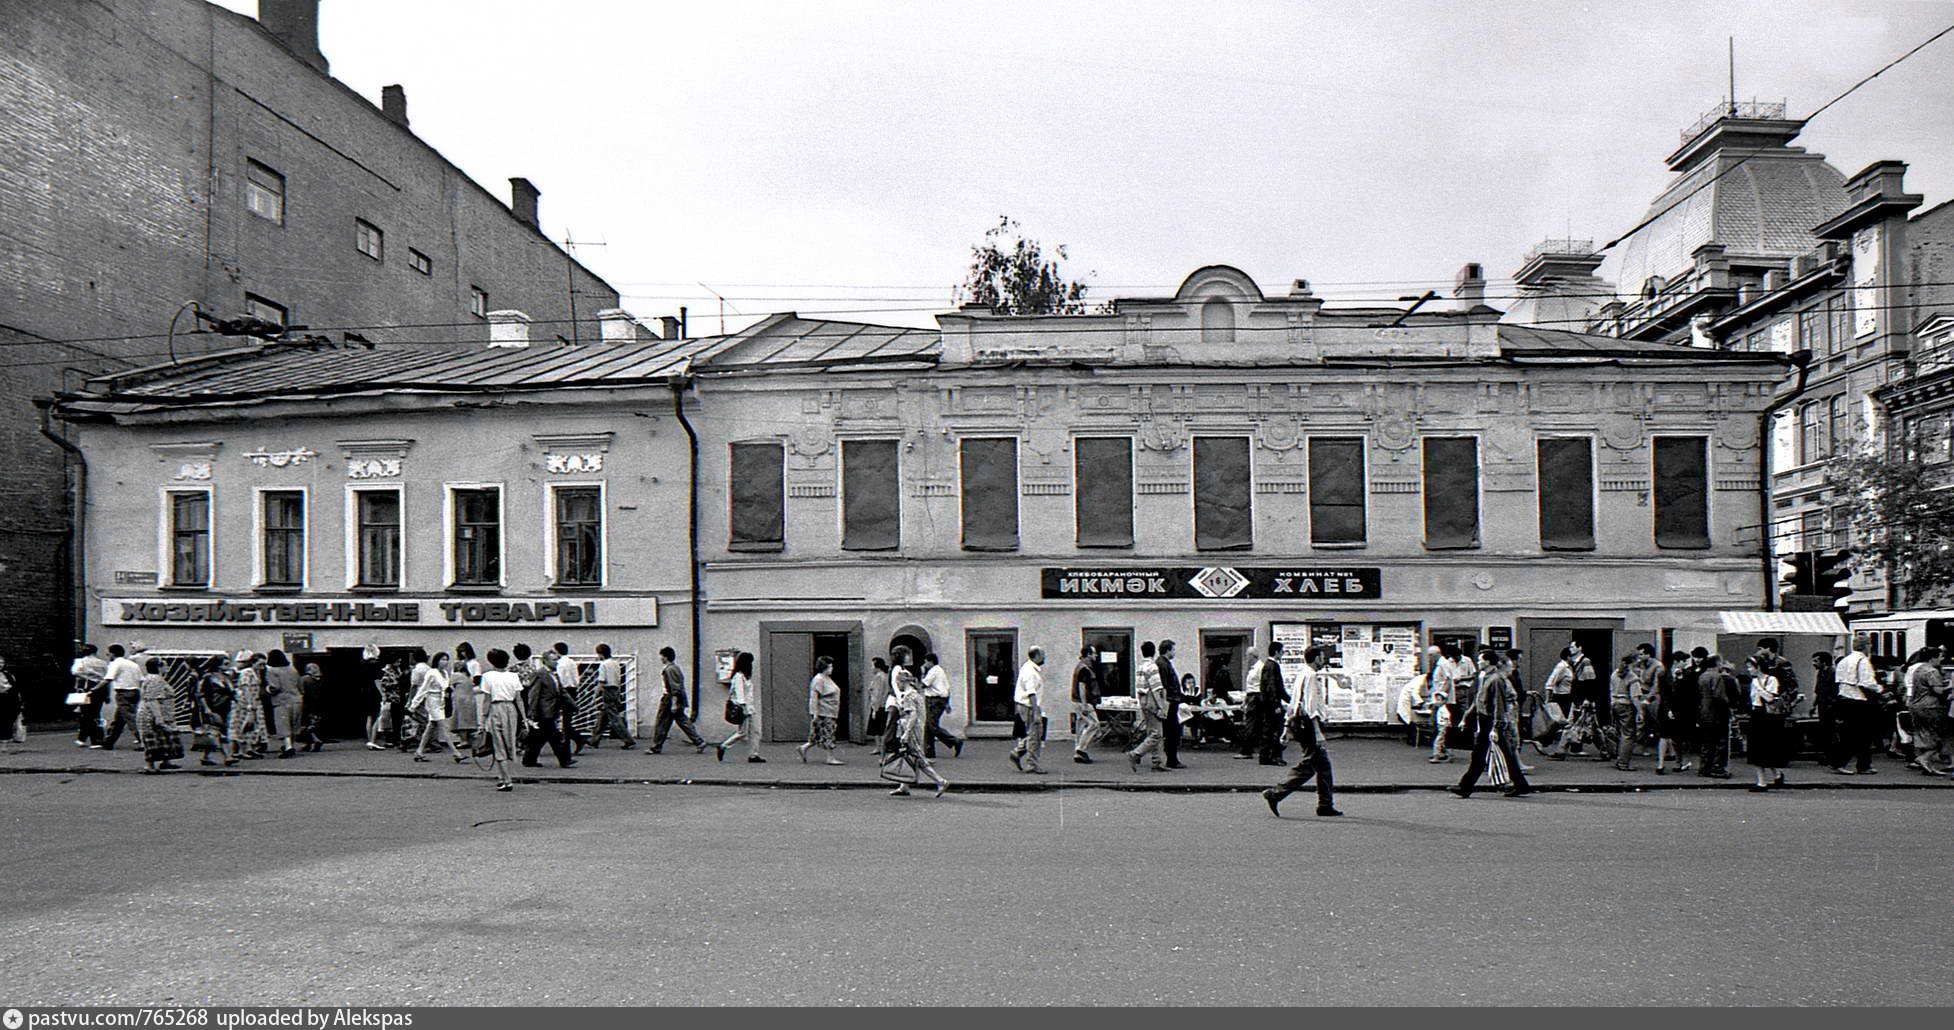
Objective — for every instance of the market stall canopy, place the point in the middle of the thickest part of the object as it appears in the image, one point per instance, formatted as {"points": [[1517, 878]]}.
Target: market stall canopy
{"points": [[1783, 623]]}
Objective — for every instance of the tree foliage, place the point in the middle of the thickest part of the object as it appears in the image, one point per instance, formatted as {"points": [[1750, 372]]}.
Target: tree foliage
{"points": [[1901, 517], [1011, 275]]}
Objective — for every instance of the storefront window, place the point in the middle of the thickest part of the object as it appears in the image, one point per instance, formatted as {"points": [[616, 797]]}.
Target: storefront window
{"points": [[579, 536], [993, 672], [379, 539], [1336, 491], [1566, 492], [284, 538], [757, 497], [1682, 492], [478, 537], [1102, 477], [1223, 512], [871, 493], [1451, 492], [990, 493], [190, 539]]}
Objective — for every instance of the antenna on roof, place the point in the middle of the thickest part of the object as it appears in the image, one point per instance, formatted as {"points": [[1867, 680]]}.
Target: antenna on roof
{"points": [[1733, 77], [722, 307], [570, 281]]}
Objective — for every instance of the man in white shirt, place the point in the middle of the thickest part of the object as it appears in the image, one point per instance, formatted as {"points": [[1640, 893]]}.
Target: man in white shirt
{"points": [[578, 709], [610, 690], [1305, 718], [1031, 680], [90, 673], [1453, 676], [936, 700], [124, 677], [1251, 706], [1858, 709]]}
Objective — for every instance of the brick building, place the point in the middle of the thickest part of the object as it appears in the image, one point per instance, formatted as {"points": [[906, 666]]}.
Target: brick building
{"points": [[160, 152]]}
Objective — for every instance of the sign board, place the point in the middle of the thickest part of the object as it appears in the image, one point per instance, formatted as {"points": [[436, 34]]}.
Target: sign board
{"points": [[293, 643], [1499, 638], [1214, 582], [1368, 664], [430, 612], [125, 577]]}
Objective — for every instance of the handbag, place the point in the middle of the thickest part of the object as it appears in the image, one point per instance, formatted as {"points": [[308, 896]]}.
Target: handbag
{"points": [[1496, 769], [76, 698], [482, 744], [735, 712]]}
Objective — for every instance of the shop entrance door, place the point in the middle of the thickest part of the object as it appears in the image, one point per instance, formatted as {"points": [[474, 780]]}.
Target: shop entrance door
{"points": [[993, 657], [789, 666], [348, 686], [1115, 660], [1545, 638], [1224, 654]]}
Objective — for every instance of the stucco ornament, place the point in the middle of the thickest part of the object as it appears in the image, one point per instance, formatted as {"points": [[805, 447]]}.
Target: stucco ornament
{"points": [[1279, 435], [281, 459], [373, 468], [814, 438], [1161, 435], [193, 470], [1621, 432], [1737, 434], [1395, 431], [574, 463]]}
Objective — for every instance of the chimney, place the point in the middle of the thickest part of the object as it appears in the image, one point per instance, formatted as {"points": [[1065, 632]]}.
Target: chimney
{"points": [[617, 327], [295, 23], [1469, 288], [393, 104], [522, 200], [670, 325], [508, 329]]}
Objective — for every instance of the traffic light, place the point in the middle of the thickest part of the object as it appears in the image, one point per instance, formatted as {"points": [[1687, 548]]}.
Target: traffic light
{"points": [[1832, 576], [1795, 573]]}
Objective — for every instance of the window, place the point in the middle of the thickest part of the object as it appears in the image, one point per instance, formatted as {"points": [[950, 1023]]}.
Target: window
{"points": [[189, 539], [1217, 321], [1682, 492], [377, 519], [1223, 508], [478, 302], [265, 310], [1102, 491], [1336, 491], [871, 495], [989, 468], [477, 514], [1814, 436], [1451, 492], [423, 264], [1928, 439], [1841, 423], [757, 497], [369, 239], [1840, 309], [1566, 489], [993, 673], [1811, 528], [282, 554], [264, 192], [579, 535], [1811, 330], [1758, 341]]}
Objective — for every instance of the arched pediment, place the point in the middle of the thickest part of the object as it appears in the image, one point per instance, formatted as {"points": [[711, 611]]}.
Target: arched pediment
{"points": [[1218, 281]]}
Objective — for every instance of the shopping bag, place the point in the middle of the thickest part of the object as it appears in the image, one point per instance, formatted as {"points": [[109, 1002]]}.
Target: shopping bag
{"points": [[1496, 768], [899, 769]]}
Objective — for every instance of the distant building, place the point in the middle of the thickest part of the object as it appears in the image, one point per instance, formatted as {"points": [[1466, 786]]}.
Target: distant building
{"points": [[159, 152]]}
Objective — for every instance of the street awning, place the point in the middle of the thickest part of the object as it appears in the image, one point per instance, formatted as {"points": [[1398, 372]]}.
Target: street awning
{"points": [[1783, 623]]}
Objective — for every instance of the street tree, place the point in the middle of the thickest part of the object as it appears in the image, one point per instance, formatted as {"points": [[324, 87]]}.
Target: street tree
{"points": [[1901, 515], [1011, 275]]}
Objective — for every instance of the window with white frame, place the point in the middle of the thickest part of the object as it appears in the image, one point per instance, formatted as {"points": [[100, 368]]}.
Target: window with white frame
{"points": [[478, 302], [476, 516], [264, 192], [188, 513], [369, 240], [578, 514], [281, 525], [420, 262], [376, 538], [267, 310]]}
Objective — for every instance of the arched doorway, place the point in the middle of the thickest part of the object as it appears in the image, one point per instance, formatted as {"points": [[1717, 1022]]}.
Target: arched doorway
{"points": [[917, 640]]}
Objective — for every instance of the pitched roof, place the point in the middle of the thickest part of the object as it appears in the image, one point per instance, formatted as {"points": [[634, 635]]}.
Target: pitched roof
{"points": [[1526, 341]]}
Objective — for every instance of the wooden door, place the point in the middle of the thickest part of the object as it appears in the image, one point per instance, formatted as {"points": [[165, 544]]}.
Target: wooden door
{"points": [[789, 664]]}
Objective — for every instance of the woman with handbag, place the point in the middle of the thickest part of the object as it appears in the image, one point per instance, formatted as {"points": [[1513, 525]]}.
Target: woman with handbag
{"points": [[281, 700], [1766, 744], [905, 763], [740, 710], [216, 693], [246, 728], [1675, 711], [878, 703], [504, 720], [430, 702], [1927, 702], [156, 720]]}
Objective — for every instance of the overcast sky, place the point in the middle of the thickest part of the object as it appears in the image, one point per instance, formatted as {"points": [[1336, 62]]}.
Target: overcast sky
{"points": [[843, 156]]}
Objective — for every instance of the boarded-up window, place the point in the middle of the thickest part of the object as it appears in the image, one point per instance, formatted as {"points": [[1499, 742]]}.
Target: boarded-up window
{"points": [[990, 494], [1566, 495], [1451, 492], [1223, 517], [1102, 474], [871, 496], [758, 490], [1336, 491], [1682, 492]]}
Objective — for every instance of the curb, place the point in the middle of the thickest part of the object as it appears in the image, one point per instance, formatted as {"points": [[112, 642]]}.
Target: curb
{"points": [[1028, 786]]}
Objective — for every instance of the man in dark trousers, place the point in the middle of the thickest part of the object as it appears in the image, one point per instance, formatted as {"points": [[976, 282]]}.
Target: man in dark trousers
{"points": [[1171, 681], [671, 706], [543, 698], [1275, 702], [1716, 689], [1087, 730], [1491, 707], [1305, 722]]}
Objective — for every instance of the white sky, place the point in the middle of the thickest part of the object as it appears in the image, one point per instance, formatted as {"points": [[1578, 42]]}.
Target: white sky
{"points": [[843, 156]]}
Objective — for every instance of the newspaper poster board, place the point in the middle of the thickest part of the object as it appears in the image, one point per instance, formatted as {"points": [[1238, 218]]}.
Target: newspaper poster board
{"points": [[1369, 664]]}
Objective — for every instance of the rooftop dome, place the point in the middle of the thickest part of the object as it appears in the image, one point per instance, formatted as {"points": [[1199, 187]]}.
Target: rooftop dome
{"points": [[1766, 197]]}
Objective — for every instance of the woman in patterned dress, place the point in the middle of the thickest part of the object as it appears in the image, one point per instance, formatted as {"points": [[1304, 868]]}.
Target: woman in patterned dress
{"points": [[823, 708], [215, 696], [247, 727], [156, 719], [912, 721], [464, 691]]}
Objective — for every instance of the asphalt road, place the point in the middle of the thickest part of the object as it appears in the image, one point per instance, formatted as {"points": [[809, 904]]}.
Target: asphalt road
{"points": [[324, 891]]}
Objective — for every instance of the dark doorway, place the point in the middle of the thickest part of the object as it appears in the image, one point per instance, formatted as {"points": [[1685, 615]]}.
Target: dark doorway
{"points": [[917, 640], [350, 686], [1115, 659], [1544, 640], [993, 672], [1224, 656], [789, 666]]}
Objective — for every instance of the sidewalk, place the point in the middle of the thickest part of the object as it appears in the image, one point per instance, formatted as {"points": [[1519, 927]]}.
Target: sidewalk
{"points": [[1363, 765]]}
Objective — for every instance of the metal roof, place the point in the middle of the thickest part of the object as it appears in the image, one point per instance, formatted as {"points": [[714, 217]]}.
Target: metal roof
{"points": [[1531, 341]]}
